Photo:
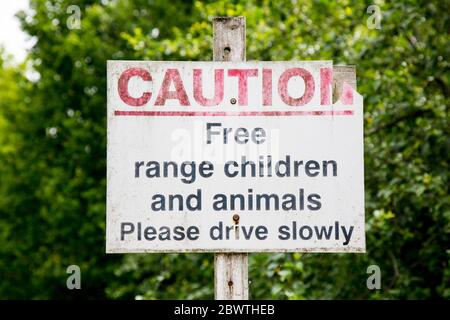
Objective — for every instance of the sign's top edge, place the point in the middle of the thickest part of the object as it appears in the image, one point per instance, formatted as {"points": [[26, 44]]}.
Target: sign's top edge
{"points": [[223, 62]]}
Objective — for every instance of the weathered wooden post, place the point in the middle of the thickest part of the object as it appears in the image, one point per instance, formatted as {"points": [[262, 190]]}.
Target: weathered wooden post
{"points": [[230, 269]]}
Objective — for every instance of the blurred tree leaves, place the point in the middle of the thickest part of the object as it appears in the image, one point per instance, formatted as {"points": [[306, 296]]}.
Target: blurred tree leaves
{"points": [[52, 134]]}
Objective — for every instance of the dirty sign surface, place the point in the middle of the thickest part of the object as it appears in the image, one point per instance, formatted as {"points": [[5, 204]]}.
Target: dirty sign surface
{"points": [[237, 157]]}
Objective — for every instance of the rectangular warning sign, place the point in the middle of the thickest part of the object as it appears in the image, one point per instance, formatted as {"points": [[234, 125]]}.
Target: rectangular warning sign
{"points": [[232, 157]]}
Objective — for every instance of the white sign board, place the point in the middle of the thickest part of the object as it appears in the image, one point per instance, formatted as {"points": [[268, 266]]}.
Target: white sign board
{"points": [[232, 157]]}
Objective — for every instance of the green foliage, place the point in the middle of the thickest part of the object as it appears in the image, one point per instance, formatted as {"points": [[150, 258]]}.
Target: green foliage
{"points": [[52, 134]]}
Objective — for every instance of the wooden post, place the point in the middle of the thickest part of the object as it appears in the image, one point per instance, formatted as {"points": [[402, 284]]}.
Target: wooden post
{"points": [[230, 269]]}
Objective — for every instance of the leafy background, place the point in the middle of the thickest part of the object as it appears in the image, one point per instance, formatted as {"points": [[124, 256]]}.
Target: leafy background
{"points": [[53, 146]]}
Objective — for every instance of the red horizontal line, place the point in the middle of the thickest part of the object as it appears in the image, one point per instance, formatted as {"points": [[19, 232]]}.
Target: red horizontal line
{"points": [[231, 113]]}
